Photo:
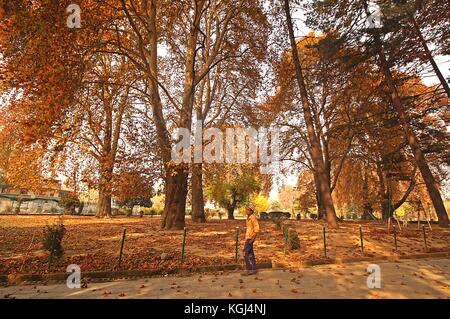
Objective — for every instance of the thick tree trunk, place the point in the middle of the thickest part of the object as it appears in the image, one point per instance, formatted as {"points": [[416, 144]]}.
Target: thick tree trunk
{"points": [[231, 208], [198, 205], [316, 151], [230, 211], [432, 188], [104, 204], [176, 177], [175, 198], [104, 193], [321, 212]]}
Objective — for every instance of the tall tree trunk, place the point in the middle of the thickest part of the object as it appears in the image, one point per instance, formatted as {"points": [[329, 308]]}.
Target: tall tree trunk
{"points": [[316, 151], [106, 165], [107, 158], [198, 203], [198, 206], [176, 176], [432, 188], [176, 186]]}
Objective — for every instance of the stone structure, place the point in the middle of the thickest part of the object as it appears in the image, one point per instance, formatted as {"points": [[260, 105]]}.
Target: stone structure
{"points": [[21, 201]]}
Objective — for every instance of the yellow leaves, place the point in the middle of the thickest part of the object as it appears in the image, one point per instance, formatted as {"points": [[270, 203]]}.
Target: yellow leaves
{"points": [[260, 203]]}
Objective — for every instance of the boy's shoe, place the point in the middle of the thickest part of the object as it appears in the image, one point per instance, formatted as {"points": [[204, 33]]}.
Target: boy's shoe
{"points": [[248, 273]]}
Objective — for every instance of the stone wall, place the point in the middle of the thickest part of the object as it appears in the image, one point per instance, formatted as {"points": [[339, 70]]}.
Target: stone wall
{"points": [[37, 206]]}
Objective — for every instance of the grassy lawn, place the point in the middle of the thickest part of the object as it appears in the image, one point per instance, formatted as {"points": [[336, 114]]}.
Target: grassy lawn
{"points": [[94, 243]]}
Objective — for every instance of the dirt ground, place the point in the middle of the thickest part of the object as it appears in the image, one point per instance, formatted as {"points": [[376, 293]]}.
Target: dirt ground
{"points": [[94, 243]]}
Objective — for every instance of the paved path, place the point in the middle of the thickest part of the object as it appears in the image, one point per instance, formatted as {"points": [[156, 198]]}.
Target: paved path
{"points": [[425, 278]]}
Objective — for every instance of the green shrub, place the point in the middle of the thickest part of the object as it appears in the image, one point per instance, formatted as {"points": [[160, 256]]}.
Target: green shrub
{"points": [[52, 240]]}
